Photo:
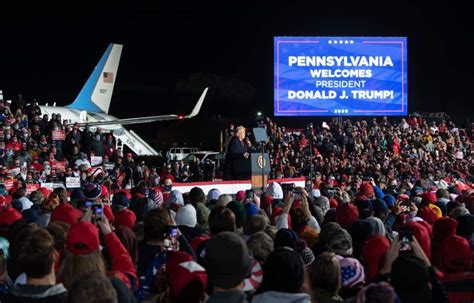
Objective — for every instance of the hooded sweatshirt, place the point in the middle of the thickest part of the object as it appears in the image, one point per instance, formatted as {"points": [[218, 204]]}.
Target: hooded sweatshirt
{"points": [[37, 293], [281, 297]]}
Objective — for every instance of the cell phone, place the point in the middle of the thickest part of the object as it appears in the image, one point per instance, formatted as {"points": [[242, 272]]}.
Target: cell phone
{"points": [[406, 236], [249, 194], [97, 211], [171, 243]]}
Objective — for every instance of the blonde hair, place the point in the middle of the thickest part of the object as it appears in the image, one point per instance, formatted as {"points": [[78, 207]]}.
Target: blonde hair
{"points": [[239, 128], [74, 266]]}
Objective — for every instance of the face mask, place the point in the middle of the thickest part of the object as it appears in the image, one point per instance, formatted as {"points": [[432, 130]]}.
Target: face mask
{"points": [[97, 137]]}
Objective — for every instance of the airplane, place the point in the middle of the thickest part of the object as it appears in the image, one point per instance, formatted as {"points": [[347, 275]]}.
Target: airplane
{"points": [[91, 106]]}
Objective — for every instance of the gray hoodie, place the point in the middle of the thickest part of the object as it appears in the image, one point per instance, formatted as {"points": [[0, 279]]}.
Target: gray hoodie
{"points": [[281, 297]]}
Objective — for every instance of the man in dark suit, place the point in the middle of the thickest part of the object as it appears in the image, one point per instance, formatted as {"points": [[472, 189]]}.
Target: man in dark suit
{"points": [[237, 150]]}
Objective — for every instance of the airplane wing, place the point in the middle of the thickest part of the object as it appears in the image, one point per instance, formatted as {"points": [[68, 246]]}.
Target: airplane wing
{"points": [[149, 119]]}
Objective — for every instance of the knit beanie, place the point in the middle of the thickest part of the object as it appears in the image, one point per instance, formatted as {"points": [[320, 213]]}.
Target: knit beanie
{"points": [[186, 216], [239, 211]]}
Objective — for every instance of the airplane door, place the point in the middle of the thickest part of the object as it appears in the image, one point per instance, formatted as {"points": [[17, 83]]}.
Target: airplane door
{"points": [[83, 117]]}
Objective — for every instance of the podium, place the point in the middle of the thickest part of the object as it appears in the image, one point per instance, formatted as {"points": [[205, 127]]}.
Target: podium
{"points": [[256, 167]]}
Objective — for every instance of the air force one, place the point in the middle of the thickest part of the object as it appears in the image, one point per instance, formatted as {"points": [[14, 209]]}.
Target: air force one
{"points": [[91, 106]]}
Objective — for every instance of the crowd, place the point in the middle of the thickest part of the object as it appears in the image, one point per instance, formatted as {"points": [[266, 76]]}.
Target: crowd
{"points": [[385, 218]]}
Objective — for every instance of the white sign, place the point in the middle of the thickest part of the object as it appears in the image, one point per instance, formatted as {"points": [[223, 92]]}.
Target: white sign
{"points": [[96, 160], [73, 182], [15, 171], [48, 185]]}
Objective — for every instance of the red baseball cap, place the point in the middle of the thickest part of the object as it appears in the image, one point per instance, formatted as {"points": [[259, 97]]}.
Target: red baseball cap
{"points": [[82, 238], [125, 218], [181, 271], [8, 216], [66, 213], [45, 191]]}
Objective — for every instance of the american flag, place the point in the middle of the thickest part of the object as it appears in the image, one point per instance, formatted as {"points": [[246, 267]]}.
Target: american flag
{"points": [[108, 77]]}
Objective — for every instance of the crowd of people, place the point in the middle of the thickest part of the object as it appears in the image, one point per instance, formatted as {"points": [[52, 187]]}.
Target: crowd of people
{"points": [[386, 217]]}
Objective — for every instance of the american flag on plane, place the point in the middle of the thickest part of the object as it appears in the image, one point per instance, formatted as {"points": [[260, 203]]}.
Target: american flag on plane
{"points": [[108, 77]]}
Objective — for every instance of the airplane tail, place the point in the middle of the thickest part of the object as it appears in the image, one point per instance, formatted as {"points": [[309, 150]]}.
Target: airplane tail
{"points": [[96, 94]]}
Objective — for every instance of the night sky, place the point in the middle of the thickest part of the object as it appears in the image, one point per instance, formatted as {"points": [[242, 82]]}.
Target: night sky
{"points": [[171, 52]]}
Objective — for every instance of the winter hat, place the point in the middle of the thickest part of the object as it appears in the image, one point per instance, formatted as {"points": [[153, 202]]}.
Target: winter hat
{"points": [[250, 209], [429, 197], [380, 208], [253, 282], [66, 213], [283, 271], [456, 254], [8, 216], [427, 214], [340, 243], [186, 216], [156, 196], [367, 189], [333, 203], [197, 195], [275, 190], [120, 199], [390, 200], [286, 238], [444, 228], [92, 190], [187, 279], [240, 195], [378, 228], [82, 238], [459, 211], [213, 194], [410, 278], [381, 292], [421, 234], [239, 211], [365, 208], [417, 190], [227, 260], [307, 256], [323, 203], [197, 241], [346, 214], [77, 194], [176, 197], [372, 254], [352, 272], [315, 193]]}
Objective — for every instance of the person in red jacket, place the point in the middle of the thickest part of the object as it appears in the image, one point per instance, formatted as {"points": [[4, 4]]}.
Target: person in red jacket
{"points": [[456, 262], [123, 216], [83, 254]]}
